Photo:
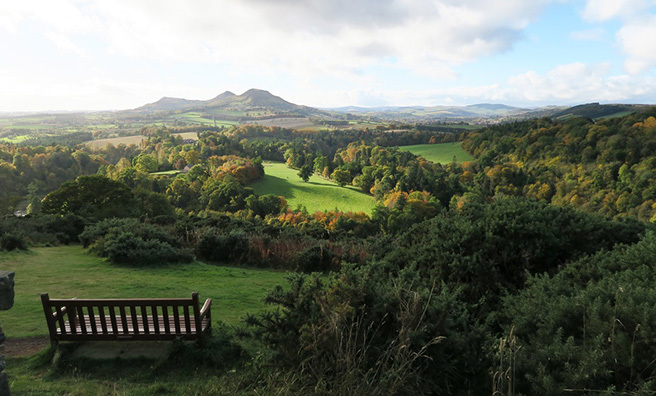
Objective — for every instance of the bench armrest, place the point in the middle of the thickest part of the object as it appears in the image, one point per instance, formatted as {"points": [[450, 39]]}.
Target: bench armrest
{"points": [[205, 311]]}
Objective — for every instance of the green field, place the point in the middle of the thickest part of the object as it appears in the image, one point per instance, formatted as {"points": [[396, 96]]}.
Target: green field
{"points": [[128, 140], [442, 153], [70, 271], [195, 117], [316, 195]]}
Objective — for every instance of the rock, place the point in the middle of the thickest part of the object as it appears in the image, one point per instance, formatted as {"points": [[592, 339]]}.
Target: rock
{"points": [[6, 290]]}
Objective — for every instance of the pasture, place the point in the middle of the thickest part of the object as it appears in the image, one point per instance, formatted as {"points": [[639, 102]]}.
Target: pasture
{"points": [[70, 271], [195, 117], [317, 194], [442, 153], [128, 140]]}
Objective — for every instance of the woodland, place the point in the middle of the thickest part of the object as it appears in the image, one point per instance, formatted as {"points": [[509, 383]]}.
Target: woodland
{"points": [[528, 270]]}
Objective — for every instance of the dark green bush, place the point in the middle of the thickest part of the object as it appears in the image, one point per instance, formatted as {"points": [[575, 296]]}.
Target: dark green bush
{"points": [[216, 246], [315, 259], [591, 326], [129, 241], [12, 241], [128, 248]]}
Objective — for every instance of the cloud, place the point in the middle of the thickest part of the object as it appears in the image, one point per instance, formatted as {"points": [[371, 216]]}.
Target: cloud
{"points": [[590, 34], [305, 38], [603, 10], [638, 26], [636, 39], [579, 83]]}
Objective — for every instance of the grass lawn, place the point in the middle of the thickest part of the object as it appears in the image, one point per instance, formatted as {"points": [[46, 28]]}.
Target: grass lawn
{"points": [[317, 194], [69, 271], [441, 153]]}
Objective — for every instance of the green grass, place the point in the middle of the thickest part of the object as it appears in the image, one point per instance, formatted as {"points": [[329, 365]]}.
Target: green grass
{"points": [[195, 117], [170, 172], [615, 115], [317, 194], [15, 139], [69, 271], [442, 153]]}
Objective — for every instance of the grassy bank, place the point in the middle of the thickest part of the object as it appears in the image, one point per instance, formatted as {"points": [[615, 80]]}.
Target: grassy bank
{"points": [[442, 153], [69, 271], [317, 194]]}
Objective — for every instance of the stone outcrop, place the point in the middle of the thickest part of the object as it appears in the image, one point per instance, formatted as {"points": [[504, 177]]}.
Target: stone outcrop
{"points": [[6, 302]]}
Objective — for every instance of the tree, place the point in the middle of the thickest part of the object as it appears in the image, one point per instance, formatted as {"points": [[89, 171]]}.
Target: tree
{"points": [[341, 177], [305, 173], [93, 196]]}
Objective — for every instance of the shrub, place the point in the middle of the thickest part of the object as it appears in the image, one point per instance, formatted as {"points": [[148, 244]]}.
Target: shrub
{"points": [[363, 332], [129, 241], [315, 259], [592, 326], [215, 246], [128, 248], [12, 241]]}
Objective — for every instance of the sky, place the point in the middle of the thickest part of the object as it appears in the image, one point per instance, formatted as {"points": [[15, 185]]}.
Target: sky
{"points": [[121, 54]]}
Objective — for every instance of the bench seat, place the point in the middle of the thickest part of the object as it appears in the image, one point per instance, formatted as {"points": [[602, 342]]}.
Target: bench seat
{"points": [[126, 319]]}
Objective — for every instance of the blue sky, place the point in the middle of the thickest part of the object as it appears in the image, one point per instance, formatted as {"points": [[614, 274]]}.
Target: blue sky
{"points": [[119, 54]]}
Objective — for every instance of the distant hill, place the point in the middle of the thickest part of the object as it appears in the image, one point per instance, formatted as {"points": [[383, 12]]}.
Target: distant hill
{"points": [[251, 100], [167, 104], [256, 105], [434, 113], [596, 110]]}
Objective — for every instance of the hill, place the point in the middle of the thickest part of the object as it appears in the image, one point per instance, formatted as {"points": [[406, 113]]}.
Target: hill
{"points": [[596, 111], [260, 102]]}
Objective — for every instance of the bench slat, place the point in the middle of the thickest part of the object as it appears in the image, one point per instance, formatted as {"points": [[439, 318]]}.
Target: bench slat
{"points": [[153, 310], [185, 309], [123, 319], [135, 326], [103, 319], [176, 319], [112, 314]]}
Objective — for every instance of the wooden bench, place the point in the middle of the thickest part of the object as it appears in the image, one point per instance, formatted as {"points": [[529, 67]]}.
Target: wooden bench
{"points": [[137, 319]]}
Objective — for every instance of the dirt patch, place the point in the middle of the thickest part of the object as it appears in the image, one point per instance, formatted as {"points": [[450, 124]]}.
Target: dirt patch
{"points": [[17, 347]]}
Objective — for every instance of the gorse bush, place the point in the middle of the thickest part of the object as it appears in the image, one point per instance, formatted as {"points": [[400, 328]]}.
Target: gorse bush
{"points": [[44, 229], [315, 259], [216, 246], [592, 326], [130, 242], [363, 332], [12, 241], [128, 248]]}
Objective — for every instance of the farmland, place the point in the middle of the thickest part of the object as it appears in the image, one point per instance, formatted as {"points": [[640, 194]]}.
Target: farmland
{"points": [[316, 195], [440, 153], [128, 140]]}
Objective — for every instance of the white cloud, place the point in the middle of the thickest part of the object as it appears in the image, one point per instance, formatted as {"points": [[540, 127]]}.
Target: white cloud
{"points": [[637, 41], [306, 38], [603, 10], [578, 83], [589, 34]]}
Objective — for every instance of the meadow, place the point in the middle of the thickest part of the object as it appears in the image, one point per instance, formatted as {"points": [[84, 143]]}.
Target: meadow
{"points": [[317, 194], [195, 117], [442, 153], [128, 140], [70, 271]]}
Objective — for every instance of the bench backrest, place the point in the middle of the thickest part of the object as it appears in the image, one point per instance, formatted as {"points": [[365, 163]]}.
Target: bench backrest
{"points": [[137, 318]]}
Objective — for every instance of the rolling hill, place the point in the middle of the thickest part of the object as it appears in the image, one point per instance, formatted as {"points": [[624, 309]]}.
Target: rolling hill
{"points": [[254, 100]]}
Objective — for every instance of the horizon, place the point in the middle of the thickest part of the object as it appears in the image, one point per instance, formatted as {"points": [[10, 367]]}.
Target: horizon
{"points": [[79, 56], [72, 111]]}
